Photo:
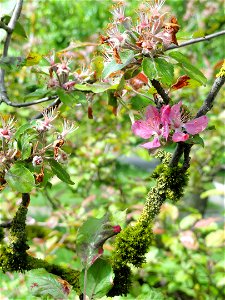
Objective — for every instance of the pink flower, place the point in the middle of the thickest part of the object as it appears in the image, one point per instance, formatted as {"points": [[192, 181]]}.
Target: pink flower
{"points": [[167, 122], [178, 122], [152, 126], [6, 131]]}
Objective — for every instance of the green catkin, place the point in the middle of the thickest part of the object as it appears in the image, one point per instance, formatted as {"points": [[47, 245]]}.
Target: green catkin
{"points": [[133, 242]]}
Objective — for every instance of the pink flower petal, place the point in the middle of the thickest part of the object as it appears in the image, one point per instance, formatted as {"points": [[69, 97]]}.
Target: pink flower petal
{"points": [[196, 125], [142, 129], [165, 131], [152, 113], [175, 111], [165, 114], [180, 137], [150, 145]]}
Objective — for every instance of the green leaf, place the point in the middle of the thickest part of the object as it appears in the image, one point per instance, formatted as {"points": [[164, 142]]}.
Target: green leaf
{"points": [[59, 171], [79, 97], [20, 178], [111, 67], [165, 70], [65, 97], [91, 237], [189, 69], [158, 68], [149, 68], [39, 93], [97, 65], [41, 283], [99, 279], [24, 128], [189, 221], [196, 139], [95, 88], [139, 102], [215, 239]]}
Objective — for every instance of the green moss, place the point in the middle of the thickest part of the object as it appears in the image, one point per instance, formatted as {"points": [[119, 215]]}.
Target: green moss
{"points": [[122, 282], [132, 243]]}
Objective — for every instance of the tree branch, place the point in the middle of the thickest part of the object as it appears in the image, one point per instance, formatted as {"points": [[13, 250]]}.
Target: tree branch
{"points": [[156, 84], [197, 40], [208, 103], [54, 104], [25, 104], [5, 27], [12, 23]]}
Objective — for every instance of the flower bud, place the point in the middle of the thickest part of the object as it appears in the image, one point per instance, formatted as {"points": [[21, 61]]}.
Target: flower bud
{"points": [[37, 161]]}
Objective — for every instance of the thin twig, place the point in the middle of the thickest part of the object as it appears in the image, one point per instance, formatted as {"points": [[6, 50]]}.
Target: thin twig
{"points": [[54, 104], [25, 104], [197, 40]]}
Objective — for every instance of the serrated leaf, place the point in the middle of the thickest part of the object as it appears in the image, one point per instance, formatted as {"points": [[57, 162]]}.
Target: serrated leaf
{"points": [[41, 283], [149, 68], [111, 67], [59, 171], [38, 93], [191, 70], [139, 102], [79, 97], [99, 279], [91, 237], [165, 70], [20, 178], [24, 128], [196, 139], [65, 97]]}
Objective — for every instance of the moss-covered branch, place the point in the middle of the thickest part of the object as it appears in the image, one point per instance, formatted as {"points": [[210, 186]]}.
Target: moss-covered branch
{"points": [[132, 244], [14, 256]]}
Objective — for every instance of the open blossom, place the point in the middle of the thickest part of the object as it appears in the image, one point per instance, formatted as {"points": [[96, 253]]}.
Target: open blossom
{"points": [[49, 116], [6, 131], [152, 126], [178, 121], [167, 122]]}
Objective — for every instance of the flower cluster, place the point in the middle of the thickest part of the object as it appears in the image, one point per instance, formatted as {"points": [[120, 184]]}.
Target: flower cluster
{"points": [[150, 35], [60, 72], [167, 123]]}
